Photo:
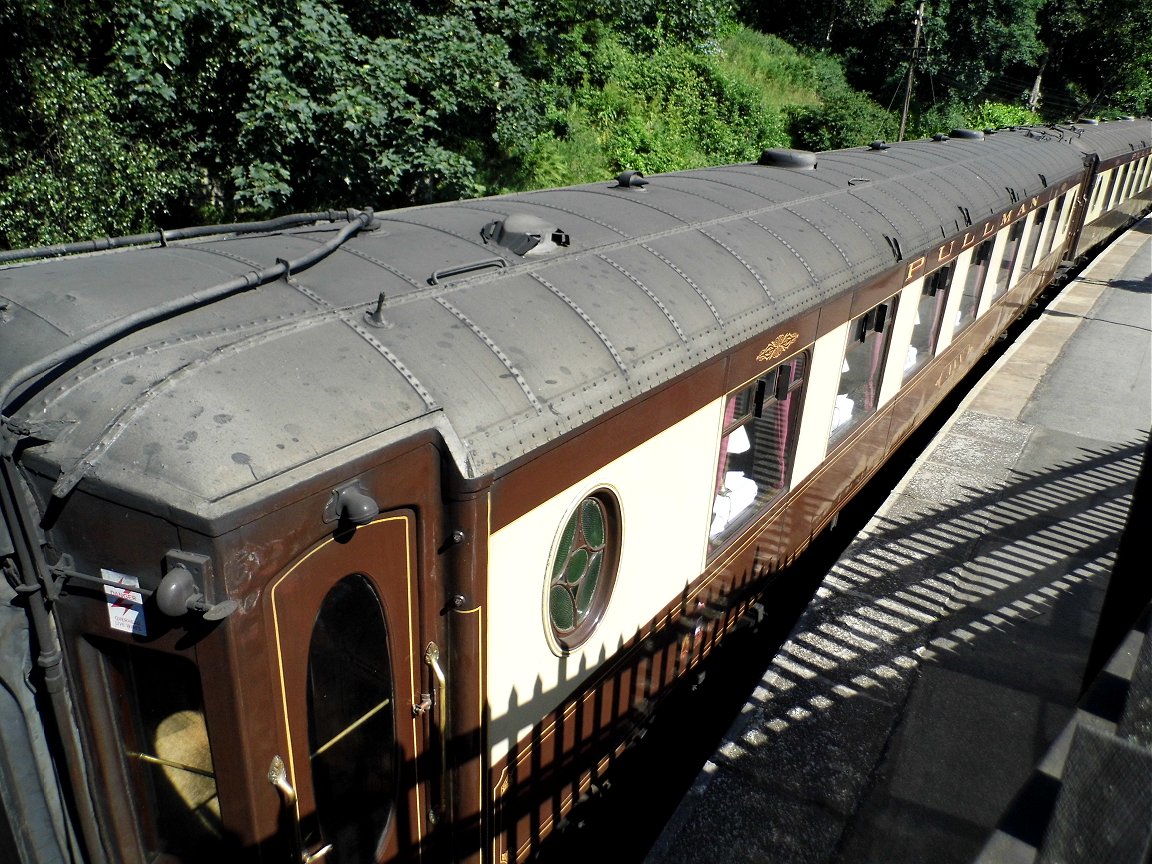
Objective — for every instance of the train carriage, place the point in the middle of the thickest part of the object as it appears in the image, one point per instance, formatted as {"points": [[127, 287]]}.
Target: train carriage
{"points": [[376, 536]]}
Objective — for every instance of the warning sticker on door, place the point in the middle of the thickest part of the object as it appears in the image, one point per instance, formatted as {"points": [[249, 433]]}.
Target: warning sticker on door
{"points": [[125, 606]]}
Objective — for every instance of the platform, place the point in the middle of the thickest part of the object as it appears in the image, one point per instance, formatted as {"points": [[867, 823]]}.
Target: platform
{"points": [[946, 652]]}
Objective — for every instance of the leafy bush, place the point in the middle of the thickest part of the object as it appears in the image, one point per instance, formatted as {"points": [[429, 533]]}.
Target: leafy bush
{"points": [[842, 117], [997, 115], [666, 111], [986, 115], [85, 178]]}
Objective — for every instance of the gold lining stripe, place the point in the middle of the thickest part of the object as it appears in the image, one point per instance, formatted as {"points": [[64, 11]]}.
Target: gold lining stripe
{"points": [[413, 672]]}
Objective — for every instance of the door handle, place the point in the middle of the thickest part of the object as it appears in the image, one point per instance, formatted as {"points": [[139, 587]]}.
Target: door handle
{"points": [[278, 777], [432, 658]]}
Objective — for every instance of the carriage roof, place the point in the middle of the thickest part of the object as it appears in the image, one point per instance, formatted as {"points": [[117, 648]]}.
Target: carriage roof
{"points": [[501, 358]]}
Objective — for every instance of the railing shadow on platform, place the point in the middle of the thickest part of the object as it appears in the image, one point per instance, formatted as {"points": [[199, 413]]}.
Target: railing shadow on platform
{"points": [[914, 592]]}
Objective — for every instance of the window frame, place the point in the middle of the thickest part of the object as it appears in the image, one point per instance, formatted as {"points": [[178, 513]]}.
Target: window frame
{"points": [[565, 641], [764, 390]]}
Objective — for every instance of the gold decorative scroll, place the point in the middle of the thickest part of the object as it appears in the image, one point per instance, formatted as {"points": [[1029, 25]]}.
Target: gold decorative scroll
{"points": [[777, 347]]}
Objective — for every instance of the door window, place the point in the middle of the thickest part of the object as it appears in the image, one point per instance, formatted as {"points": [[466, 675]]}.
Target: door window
{"points": [[352, 720]]}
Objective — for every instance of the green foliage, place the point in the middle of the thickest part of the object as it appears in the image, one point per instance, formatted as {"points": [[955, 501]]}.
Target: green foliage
{"points": [[842, 117], [818, 26], [128, 115], [219, 108], [776, 70], [998, 115], [83, 177], [985, 115], [1100, 57], [665, 111]]}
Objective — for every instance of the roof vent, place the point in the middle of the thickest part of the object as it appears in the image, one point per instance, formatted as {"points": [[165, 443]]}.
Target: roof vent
{"points": [[939, 136], [779, 157], [524, 235], [879, 145], [968, 134], [1088, 121], [631, 179]]}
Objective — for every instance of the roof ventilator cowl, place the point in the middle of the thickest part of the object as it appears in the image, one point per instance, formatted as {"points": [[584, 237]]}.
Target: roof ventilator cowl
{"points": [[524, 235], [779, 157], [967, 134], [879, 145], [631, 180]]}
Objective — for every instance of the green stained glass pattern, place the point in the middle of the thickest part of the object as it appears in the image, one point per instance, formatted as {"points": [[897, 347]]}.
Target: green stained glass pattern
{"points": [[587, 590], [563, 612], [576, 592], [565, 548], [592, 517]]}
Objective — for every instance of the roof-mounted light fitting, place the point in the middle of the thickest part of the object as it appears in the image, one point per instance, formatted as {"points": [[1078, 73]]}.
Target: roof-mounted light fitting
{"points": [[524, 235], [780, 157], [630, 180]]}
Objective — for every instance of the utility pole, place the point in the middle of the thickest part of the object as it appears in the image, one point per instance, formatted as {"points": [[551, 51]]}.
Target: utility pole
{"points": [[911, 69]]}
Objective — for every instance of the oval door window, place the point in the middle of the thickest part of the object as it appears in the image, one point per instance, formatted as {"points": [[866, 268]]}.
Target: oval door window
{"points": [[351, 721]]}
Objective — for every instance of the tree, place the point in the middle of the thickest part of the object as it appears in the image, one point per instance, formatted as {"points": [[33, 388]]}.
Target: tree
{"points": [[1099, 56]]}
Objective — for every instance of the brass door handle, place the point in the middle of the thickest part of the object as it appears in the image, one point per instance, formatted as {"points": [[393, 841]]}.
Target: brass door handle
{"points": [[432, 658], [278, 777]]}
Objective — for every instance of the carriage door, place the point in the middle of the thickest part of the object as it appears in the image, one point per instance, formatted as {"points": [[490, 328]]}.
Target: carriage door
{"points": [[345, 630]]}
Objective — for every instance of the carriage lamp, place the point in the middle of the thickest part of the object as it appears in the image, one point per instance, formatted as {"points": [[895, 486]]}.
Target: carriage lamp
{"points": [[351, 505], [178, 594]]}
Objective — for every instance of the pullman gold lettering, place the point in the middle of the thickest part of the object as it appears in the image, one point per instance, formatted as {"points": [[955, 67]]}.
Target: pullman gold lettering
{"points": [[945, 252], [777, 347]]}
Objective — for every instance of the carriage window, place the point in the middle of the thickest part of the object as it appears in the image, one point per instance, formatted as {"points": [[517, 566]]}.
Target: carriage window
{"points": [[1011, 249], [859, 391], [973, 285], [1052, 229], [1122, 189], [1106, 203], [1028, 261], [583, 570], [929, 315], [759, 438], [166, 742], [351, 720], [1100, 184]]}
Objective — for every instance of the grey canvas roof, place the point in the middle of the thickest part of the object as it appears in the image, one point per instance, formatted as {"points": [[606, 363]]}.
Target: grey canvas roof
{"points": [[499, 359]]}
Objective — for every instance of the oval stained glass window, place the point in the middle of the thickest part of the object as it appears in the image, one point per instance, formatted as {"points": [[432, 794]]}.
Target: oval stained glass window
{"points": [[583, 570]]}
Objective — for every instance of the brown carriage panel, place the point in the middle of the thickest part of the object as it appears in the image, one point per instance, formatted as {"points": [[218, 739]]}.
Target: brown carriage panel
{"points": [[539, 478], [770, 349], [833, 314]]}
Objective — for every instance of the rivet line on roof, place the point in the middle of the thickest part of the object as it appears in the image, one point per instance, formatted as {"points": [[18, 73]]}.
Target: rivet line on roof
{"points": [[660, 305], [592, 324], [823, 234], [495, 349], [420, 389], [383, 265], [699, 291], [748, 266]]}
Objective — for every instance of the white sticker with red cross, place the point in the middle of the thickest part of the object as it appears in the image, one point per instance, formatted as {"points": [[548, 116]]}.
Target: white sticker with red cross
{"points": [[125, 606]]}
